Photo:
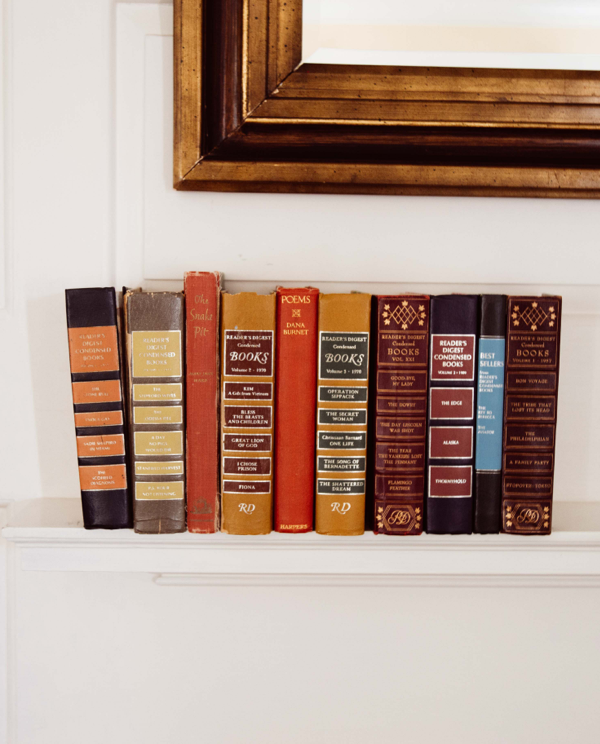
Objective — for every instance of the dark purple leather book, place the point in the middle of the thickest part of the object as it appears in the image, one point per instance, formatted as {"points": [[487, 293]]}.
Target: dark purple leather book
{"points": [[532, 364], [451, 419]]}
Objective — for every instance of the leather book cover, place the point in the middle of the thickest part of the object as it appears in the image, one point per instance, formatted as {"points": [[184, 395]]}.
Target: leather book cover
{"points": [[398, 413], [532, 366], [490, 409], [295, 408], [202, 308], [451, 419], [154, 325], [98, 404], [247, 420], [342, 397]]}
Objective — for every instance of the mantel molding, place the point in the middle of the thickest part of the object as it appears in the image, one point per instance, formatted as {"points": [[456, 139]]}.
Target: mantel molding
{"points": [[378, 580], [48, 536]]}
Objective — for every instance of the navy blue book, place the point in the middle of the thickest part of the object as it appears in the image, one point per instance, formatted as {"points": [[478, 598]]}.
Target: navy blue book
{"points": [[451, 417]]}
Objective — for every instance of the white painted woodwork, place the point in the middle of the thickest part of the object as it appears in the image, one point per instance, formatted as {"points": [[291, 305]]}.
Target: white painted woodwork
{"points": [[111, 637], [49, 536]]}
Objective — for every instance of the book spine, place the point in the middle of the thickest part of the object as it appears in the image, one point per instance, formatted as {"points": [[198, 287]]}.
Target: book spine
{"points": [[295, 408], [98, 405], [342, 397], [247, 420], [399, 407], [490, 405], [532, 366], [451, 420], [202, 306], [154, 324]]}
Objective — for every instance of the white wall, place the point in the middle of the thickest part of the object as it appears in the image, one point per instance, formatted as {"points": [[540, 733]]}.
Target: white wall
{"points": [[88, 202]]}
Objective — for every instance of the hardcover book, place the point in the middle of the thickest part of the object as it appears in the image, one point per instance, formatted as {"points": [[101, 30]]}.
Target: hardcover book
{"points": [[398, 407], [342, 396], [532, 366], [247, 421], [154, 323], [295, 408], [98, 404], [202, 307], [451, 440], [490, 406]]}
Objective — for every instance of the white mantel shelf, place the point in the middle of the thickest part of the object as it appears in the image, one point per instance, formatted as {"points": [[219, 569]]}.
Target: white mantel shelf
{"points": [[48, 536]]}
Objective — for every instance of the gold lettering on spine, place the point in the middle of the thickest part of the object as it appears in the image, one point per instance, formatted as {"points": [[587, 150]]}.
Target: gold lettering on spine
{"points": [[156, 354]]}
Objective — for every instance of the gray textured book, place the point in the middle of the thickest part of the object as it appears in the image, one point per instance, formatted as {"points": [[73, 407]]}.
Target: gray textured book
{"points": [[154, 332]]}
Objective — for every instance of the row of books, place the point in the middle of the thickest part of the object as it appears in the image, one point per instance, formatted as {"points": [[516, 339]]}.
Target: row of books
{"points": [[299, 410]]}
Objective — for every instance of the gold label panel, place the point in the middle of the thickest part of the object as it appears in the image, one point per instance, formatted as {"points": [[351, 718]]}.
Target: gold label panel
{"points": [[102, 477], [99, 418], [159, 491], [158, 415], [247, 514], [94, 349], [158, 443], [340, 515], [156, 353], [103, 391], [148, 393], [101, 446], [159, 468]]}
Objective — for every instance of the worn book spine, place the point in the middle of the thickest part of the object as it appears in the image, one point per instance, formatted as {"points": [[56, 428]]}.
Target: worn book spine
{"points": [[343, 377], [490, 407], [203, 308], [451, 440], [247, 421], [96, 382], [295, 408], [154, 324], [398, 424], [532, 366]]}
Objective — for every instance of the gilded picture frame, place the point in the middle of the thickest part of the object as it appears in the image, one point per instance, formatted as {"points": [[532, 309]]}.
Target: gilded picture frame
{"points": [[250, 116]]}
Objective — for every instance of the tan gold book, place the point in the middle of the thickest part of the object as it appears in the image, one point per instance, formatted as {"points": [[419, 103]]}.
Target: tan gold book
{"points": [[247, 388], [344, 325]]}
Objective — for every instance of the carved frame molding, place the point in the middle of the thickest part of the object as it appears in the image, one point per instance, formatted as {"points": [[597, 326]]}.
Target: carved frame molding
{"points": [[249, 116]]}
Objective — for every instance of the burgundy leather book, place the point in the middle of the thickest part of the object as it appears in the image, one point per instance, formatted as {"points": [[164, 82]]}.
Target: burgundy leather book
{"points": [[532, 365], [398, 418], [202, 309], [451, 440], [295, 408], [98, 403]]}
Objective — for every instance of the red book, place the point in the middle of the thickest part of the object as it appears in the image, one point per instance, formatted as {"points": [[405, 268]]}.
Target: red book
{"points": [[295, 408], [202, 306]]}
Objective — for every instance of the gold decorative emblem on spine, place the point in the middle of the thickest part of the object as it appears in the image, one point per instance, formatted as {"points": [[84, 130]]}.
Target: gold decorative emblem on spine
{"points": [[527, 517], [533, 316], [403, 315], [395, 518]]}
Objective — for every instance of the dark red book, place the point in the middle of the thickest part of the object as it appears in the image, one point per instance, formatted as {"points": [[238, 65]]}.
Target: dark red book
{"points": [[202, 306], [398, 417], [295, 408], [530, 398]]}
